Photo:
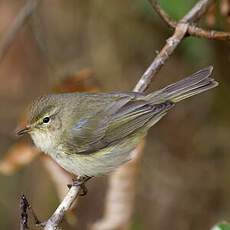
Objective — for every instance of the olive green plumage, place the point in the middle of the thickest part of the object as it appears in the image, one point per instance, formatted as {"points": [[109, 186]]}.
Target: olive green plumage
{"points": [[93, 133]]}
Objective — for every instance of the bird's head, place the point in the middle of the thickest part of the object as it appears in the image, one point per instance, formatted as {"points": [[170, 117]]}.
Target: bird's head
{"points": [[44, 122]]}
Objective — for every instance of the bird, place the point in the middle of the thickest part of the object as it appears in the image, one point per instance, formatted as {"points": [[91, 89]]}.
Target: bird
{"points": [[92, 134]]}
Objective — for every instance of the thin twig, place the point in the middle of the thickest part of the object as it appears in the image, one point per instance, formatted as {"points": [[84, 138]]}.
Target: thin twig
{"points": [[36, 220], [10, 35], [24, 205], [213, 34], [163, 15]]}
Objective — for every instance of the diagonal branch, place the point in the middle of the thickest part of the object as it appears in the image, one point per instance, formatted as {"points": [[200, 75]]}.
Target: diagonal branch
{"points": [[65, 205], [10, 35], [180, 31], [162, 57], [197, 11]]}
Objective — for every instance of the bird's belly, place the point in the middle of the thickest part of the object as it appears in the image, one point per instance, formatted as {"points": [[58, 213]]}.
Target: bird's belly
{"points": [[100, 162]]}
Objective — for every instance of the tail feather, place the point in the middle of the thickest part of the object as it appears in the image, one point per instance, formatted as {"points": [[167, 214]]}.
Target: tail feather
{"points": [[190, 86]]}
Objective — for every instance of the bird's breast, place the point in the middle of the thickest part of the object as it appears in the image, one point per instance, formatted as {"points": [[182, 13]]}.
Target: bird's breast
{"points": [[43, 141]]}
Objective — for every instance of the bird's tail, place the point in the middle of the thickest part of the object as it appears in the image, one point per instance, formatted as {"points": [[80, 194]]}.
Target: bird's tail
{"points": [[192, 85]]}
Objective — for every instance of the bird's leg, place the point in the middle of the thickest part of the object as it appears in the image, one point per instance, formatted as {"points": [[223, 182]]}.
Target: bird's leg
{"points": [[80, 181], [84, 190]]}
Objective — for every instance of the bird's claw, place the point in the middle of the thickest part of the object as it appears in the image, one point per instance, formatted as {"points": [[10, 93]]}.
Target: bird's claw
{"points": [[80, 181]]}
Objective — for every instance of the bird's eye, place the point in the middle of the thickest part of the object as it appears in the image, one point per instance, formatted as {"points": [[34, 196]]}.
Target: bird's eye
{"points": [[46, 119]]}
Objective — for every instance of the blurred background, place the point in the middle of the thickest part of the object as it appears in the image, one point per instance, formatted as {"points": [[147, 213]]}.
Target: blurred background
{"points": [[184, 180]]}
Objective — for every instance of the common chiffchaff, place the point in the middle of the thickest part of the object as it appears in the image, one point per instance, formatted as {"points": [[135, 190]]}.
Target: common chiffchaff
{"points": [[90, 134]]}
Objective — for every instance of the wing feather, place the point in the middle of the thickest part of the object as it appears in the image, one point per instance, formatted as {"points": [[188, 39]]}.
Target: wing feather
{"points": [[118, 120]]}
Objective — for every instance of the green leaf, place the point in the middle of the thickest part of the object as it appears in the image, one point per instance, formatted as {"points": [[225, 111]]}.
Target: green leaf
{"points": [[222, 226]]}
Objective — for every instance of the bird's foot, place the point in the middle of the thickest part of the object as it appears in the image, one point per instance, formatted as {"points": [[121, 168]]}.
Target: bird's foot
{"points": [[80, 181]]}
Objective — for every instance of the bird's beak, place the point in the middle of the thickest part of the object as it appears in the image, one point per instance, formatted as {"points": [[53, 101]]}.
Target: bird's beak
{"points": [[23, 130]]}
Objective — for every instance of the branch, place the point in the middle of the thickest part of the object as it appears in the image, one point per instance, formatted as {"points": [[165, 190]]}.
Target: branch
{"points": [[193, 30], [197, 11], [180, 31], [10, 35], [58, 215], [213, 34], [162, 57]]}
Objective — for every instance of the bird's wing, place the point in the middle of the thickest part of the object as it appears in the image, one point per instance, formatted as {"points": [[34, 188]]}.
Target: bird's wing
{"points": [[118, 120]]}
